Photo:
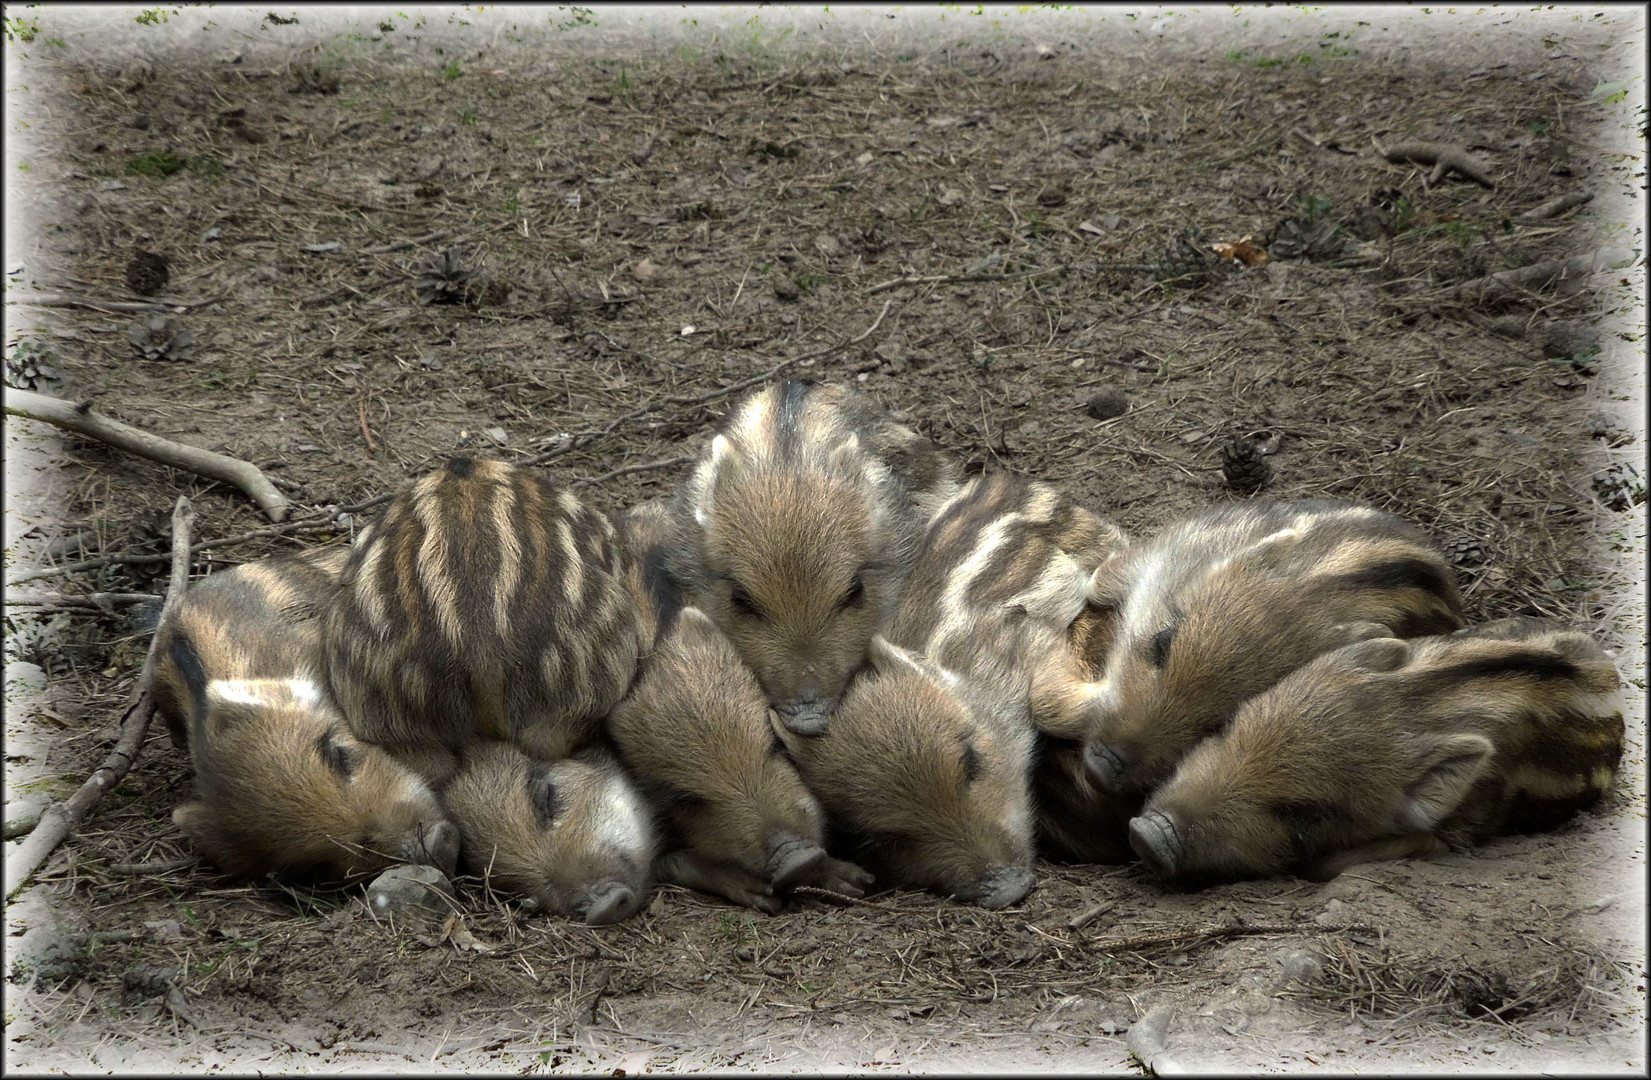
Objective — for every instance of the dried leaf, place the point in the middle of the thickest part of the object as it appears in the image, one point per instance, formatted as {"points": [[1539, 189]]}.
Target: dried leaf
{"points": [[1242, 250]]}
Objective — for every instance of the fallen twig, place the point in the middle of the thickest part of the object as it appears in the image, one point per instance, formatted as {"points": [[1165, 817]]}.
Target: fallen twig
{"points": [[585, 438], [1540, 275], [122, 307], [1214, 933], [1083, 919], [321, 522], [98, 601], [1556, 206], [648, 466], [399, 245], [939, 279], [82, 420], [145, 869], [1444, 157], [60, 819], [20, 826]]}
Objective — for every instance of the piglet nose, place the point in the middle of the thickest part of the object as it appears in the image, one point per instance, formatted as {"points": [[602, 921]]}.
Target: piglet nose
{"points": [[1108, 768], [1155, 840], [611, 902], [790, 858], [805, 716]]}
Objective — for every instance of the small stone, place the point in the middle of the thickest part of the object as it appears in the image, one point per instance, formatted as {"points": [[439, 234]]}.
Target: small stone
{"points": [[1509, 326], [1331, 914], [165, 930], [827, 245], [1107, 402], [1302, 965], [410, 892], [498, 435], [785, 288]]}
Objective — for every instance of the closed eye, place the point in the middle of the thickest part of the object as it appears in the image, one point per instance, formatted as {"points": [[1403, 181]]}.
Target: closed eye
{"points": [[742, 603], [341, 759], [1160, 646], [856, 595]]}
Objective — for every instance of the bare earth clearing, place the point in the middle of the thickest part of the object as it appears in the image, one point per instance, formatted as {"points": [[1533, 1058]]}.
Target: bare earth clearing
{"points": [[647, 219]]}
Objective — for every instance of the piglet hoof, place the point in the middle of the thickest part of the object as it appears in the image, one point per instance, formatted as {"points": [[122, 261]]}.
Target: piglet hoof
{"points": [[1155, 840], [842, 876]]}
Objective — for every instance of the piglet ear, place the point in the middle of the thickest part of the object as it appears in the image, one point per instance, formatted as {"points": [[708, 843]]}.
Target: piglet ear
{"points": [[846, 458], [1107, 585], [887, 658], [1376, 653], [694, 621], [1448, 769], [723, 463], [229, 701]]}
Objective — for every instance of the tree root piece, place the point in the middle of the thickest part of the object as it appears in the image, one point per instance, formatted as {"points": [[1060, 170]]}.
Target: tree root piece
{"points": [[81, 420], [1445, 158], [60, 819]]}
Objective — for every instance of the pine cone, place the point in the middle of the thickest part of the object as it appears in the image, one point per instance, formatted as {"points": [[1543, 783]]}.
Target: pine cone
{"points": [[1464, 550], [446, 281], [1243, 467], [147, 273], [1186, 256], [1295, 239], [29, 369], [161, 338], [1619, 486]]}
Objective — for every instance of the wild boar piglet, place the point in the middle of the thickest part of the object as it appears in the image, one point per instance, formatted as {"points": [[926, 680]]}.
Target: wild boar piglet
{"points": [[573, 835], [486, 603], [282, 783], [694, 731], [1390, 748], [1219, 607], [796, 532], [930, 769]]}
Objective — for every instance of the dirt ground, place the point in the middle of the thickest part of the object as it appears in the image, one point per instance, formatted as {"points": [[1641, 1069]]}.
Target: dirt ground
{"points": [[983, 220]]}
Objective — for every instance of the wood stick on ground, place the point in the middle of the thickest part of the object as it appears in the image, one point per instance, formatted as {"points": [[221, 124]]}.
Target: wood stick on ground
{"points": [[1444, 157], [1557, 272], [1556, 206], [121, 307], [97, 601], [83, 421], [60, 819]]}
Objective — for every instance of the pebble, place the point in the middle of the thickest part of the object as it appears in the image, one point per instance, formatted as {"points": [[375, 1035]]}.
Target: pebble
{"points": [[1302, 965], [410, 892]]}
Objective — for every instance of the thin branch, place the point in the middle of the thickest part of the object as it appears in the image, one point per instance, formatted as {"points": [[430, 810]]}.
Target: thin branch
{"points": [[98, 601], [1540, 275], [1444, 157], [120, 307], [585, 438], [1556, 206], [321, 522], [60, 819], [82, 420], [628, 469], [939, 279], [150, 869]]}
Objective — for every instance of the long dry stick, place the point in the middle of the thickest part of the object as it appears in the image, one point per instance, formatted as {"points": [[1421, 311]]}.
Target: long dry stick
{"points": [[321, 521], [1555, 273], [97, 601], [60, 819], [82, 420]]}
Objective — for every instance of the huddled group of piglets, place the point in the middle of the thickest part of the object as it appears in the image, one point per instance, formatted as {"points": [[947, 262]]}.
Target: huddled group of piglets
{"points": [[831, 661]]}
